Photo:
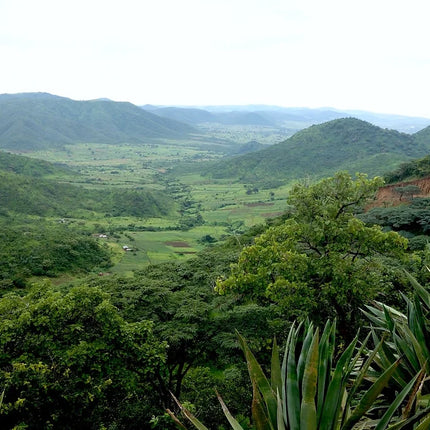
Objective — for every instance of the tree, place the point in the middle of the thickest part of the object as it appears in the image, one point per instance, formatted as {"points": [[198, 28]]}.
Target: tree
{"points": [[322, 261], [71, 361], [408, 191], [197, 324]]}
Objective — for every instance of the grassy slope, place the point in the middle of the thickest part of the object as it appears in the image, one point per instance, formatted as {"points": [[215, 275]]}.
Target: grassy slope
{"points": [[13, 163]]}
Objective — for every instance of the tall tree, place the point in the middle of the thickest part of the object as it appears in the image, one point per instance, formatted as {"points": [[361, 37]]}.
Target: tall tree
{"points": [[322, 261]]}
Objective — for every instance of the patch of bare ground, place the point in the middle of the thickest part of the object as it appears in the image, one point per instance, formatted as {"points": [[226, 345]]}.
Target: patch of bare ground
{"points": [[253, 205], [389, 196], [178, 244]]}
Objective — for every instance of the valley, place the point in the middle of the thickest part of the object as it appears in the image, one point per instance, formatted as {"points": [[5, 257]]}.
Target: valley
{"points": [[225, 206], [213, 175]]}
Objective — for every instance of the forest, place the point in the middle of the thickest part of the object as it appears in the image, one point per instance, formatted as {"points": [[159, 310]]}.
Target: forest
{"points": [[142, 289]]}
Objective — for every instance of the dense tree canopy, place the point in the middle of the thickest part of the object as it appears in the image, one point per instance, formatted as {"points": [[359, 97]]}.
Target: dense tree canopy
{"points": [[73, 362]]}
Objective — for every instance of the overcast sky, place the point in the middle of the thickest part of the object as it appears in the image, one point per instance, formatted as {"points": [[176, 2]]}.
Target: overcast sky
{"points": [[357, 54]]}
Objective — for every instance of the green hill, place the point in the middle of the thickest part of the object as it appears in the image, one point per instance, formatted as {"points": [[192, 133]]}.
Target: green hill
{"points": [[13, 163], [198, 116], [320, 150], [30, 121], [32, 187], [44, 197]]}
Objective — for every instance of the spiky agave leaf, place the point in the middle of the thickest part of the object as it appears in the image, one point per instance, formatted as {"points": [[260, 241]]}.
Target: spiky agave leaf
{"points": [[197, 424], [260, 384], [308, 412]]}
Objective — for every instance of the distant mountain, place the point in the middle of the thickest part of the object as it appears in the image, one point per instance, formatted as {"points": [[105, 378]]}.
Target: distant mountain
{"points": [[189, 116], [30, 121], [251, 146], [320, 150], [196, 116], [282, 117]]}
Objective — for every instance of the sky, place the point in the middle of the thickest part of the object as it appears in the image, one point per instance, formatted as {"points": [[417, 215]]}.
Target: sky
{"points": [[347, 54]]}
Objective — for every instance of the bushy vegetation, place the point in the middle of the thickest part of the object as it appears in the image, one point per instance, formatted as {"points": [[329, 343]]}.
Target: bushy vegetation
{"points": [[412, 218], [40, 248], [71, 361], [411, 170], [322, 261]]}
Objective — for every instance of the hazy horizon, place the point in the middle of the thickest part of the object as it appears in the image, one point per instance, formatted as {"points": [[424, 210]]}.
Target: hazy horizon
{"points": [[369, 56]]}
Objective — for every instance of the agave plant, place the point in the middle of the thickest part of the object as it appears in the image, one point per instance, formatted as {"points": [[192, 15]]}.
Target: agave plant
{"points": [[409, 336], [311, 391]]}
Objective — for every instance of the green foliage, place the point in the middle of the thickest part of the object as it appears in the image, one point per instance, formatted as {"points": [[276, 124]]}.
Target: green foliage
{"points": [[71, 361], [413, 218], [322, 261], [411, 170], [409, 333], [39, 248], [198, 326]]}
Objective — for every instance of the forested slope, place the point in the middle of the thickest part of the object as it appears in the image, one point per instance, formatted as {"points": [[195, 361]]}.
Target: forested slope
{"points": [[320, 150]]}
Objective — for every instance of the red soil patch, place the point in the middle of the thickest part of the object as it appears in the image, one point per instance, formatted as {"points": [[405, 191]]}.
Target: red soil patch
{"points": [[177, 244], [388, 196]]}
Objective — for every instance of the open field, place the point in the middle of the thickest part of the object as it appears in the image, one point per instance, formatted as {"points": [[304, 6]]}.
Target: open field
{"points": [[154, 247]]}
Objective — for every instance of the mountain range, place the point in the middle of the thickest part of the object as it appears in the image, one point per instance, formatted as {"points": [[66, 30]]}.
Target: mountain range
{"points": [[291, 118], [31, 121]]}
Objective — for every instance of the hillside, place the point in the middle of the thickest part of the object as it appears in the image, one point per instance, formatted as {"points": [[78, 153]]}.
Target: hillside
{"points": [[410, 170], [30, 121], [13, 163], [44, 197], [320, 150], [31, 187]]}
